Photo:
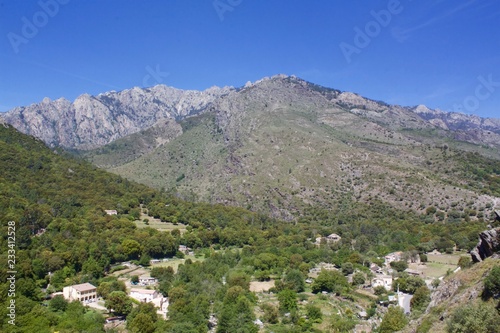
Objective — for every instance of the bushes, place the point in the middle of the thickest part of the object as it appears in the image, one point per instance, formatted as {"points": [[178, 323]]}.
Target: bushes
{"points": [[293, 280], [330, 281], [474, 319], [492, 282], [399, 265], [394, 320], [408, 284], [464, 262], [379, 290], [342, 323], [288, 300], [314, 313], [271, 314], [421, 298], [358, 279], [347, 268]]}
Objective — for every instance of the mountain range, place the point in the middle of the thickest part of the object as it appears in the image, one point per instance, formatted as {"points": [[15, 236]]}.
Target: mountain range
{"points": [[281, 145]]}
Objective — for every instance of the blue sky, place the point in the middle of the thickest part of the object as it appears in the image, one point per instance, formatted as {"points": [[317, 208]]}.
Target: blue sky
{"points": [[443, 53]]}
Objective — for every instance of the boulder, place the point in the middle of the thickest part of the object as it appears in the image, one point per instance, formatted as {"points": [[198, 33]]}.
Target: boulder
{"points": [[488, 245]]}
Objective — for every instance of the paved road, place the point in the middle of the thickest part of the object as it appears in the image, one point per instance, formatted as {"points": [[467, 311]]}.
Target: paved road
{"points": [[404, 301]]}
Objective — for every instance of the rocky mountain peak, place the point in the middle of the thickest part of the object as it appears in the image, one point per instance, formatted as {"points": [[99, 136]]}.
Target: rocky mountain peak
{"points": [[93, 121]]}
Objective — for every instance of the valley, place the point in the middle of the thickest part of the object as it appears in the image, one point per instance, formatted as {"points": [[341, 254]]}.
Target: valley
{"points": [[226, 206]]}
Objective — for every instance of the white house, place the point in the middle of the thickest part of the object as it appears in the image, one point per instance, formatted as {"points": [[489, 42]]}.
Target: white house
{"points": [[382, 280], [394, 256], [161, 303], [144, 295], [333, 238], [145, 280], [184, 249], [111, 212], [330, 239], [84, 292]]}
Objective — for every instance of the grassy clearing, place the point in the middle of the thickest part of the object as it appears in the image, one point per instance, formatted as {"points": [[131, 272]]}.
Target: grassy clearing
{"points": [[158, 224], [260, 286], [439, 264], [448, 259], [175, 262], [435, 270]]}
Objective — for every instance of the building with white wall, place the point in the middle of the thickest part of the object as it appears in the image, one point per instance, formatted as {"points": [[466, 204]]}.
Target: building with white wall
{"points": [[84, 293]]}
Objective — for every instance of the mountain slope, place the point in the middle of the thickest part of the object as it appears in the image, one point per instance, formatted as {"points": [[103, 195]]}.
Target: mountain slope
{"points": [[281, 145]]}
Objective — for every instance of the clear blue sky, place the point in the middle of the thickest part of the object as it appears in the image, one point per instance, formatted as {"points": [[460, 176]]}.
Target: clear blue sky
{"points": [[442, 53]]}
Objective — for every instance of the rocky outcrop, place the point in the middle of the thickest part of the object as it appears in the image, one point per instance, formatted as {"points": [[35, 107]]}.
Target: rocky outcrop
{"points": [[488, 245], [456, 121], [93, 121], [445, 291]]}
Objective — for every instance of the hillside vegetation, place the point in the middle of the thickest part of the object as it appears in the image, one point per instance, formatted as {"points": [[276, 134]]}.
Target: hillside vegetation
{"points": [[283, 145], [58, 203]]}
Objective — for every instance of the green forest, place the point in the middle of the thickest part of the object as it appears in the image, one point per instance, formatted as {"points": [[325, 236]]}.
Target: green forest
{"points": [[63, 236]]}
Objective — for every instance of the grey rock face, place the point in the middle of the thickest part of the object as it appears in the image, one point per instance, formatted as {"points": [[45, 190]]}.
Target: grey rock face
{"points": [[488, 245], [470, 128], [457, 121], [93, 121]]}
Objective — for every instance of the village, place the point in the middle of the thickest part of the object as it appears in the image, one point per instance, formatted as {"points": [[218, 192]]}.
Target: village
{"points": [[143, 288]]}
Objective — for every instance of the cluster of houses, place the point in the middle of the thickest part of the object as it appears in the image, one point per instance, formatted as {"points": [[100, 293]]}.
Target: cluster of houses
{"points": [[383, 277], [87, 293], [142, 291]]}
